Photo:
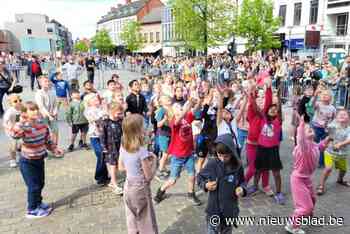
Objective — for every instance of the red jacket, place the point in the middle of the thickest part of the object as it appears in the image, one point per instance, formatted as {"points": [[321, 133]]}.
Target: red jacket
{"points": [[255, 117]]}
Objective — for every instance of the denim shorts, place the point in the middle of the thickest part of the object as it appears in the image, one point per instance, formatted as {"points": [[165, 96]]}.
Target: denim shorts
{"points": [[177, 164]]}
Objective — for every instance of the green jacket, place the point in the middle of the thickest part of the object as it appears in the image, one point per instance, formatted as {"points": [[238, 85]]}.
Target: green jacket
{"points": [[75, 113]]}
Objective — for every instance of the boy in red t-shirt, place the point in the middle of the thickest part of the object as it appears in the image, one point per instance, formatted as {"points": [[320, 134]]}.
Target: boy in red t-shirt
{"points": [[181, 149]]}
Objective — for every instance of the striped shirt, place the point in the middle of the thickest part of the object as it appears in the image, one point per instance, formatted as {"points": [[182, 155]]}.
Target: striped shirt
{"points": [[36, 139]]}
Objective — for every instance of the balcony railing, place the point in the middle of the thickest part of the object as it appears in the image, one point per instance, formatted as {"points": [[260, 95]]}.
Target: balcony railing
{"points": [[341, 30]]}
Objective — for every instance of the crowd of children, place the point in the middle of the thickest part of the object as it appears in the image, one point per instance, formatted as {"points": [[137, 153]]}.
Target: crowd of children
{"points": [[165, 125]]}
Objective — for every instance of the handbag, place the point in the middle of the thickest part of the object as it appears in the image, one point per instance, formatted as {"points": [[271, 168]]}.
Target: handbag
{"points": [[16, 88]]}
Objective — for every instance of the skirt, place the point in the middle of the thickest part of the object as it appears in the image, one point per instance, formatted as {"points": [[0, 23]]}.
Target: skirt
{"points": [[268, 158]]}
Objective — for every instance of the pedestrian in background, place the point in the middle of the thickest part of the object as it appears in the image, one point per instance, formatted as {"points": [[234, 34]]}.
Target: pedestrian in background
{"points": [[6, 83], [90, 68], [34, 71]]}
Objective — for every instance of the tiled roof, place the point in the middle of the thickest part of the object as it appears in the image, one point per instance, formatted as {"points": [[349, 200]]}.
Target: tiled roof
{"points": [[154, 16], [123, 11]]}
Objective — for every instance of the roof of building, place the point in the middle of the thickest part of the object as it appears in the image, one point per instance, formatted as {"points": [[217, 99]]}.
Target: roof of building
{"points": [[124, 11], [154, 16], [53, 21]]}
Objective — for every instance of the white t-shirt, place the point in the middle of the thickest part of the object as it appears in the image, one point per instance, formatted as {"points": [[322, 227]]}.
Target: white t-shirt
{"points": [[9, 119], [224, 128]]}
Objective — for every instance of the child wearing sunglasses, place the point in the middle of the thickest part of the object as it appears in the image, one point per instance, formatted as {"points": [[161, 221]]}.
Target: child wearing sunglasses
{"points": [[11, 117]]}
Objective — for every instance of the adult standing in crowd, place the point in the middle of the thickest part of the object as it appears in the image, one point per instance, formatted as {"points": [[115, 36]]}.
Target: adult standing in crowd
{"points": [[90, 68], [34, 71], [6, 83], [71, 72]]}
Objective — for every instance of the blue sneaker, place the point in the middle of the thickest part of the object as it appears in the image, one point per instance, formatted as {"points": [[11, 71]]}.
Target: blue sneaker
{"points": [[280, 199], [45, 206], [37, 213]]}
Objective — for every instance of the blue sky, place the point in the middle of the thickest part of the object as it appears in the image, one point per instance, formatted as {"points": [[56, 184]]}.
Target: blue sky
{"points": [[80, 16]]}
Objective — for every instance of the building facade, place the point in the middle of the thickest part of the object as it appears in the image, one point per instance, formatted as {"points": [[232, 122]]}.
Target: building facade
{"points": [[336, 34], [170, 42], [311, 28], [37, 34], [151, 31], [62, 36], [117, 17]]}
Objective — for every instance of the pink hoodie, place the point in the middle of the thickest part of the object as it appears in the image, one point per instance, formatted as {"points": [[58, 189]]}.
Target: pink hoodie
{"points": [[306, 154]]}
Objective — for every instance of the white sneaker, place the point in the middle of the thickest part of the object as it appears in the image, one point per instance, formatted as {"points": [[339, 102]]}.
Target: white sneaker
{"points": [[289, 228], [118, 190], [13, 163], [268, 191]]}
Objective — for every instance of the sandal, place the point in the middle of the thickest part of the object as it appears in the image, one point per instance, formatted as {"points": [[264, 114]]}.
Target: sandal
{"points": [[320, 190], [344, 183]]}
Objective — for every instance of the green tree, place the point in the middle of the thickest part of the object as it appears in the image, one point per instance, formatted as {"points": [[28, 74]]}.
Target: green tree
{"points": [[200, 24], [81, 46], [256, 23], [103, 42], [131, 36]]}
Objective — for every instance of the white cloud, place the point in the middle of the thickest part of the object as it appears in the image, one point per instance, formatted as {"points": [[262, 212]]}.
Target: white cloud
{"points": [[80, 16]]}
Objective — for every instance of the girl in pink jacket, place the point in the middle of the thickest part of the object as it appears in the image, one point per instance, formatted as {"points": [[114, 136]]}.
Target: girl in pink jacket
{"points": [[306, 155]]}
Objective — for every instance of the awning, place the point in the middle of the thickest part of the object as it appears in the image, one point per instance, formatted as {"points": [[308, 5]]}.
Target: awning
{"points": [[150, 49]]}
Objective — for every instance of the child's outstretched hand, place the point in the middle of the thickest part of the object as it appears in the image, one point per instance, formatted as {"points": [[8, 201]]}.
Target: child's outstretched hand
{"points": [[239, 191]]}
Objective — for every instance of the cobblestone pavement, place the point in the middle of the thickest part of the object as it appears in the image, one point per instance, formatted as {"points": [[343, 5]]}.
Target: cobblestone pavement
{"points": [[81, 207]]}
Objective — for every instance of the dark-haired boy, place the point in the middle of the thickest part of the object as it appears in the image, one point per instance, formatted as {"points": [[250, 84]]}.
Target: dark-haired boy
{"points": [[136, 102]]}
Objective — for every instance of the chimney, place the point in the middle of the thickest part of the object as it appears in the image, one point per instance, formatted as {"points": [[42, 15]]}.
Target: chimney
{"points": [[127, 2]]}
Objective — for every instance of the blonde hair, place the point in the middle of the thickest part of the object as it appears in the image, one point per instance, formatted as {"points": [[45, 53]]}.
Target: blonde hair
{"points": [[88, 98], [133, 135], [115, 106]]}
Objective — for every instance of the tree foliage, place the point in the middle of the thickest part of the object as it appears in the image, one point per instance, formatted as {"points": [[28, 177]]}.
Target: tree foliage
{"points": [[81, 46], [256, 23], [103, 42], [200, 24], [131, 36]]}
